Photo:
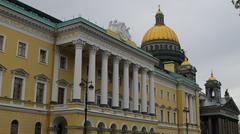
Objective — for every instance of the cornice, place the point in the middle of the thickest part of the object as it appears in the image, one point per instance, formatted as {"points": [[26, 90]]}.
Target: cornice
{"points": [[25, 25]]}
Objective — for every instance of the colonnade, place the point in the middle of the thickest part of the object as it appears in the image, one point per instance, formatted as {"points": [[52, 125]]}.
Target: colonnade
{"points": [[137, 69]]}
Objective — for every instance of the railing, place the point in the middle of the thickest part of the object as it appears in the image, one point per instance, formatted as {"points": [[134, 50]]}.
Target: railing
{"points": [[6, 101], [102, 110]]}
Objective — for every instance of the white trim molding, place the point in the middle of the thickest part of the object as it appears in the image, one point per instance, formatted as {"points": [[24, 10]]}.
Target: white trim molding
{"points": [[26, 51], [44, 91], [4, 42], [39, 56], [23, 86]]}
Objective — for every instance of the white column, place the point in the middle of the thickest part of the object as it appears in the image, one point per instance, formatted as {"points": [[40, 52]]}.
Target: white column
{"points": [[144, 91], [152, 94], [190, 108], [77, 70], [91, 73], [126, 85], [135, 88], [55, 75], [104, 79], [115, 89], [194, 110], [187, 105]]}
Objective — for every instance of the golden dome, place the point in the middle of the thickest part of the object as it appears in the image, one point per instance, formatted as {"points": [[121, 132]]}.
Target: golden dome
{"points": [[160, 31], [185, 62], [212, 77]]}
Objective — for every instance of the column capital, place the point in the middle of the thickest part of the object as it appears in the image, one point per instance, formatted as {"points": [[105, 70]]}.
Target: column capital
{"points": [[93, 48], [79, 43], [127, 62], [106, 53], [117, 58], [136, 66], [144, 69]]}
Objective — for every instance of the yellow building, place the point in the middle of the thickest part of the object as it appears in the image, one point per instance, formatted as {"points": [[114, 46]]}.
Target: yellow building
{"points": [[130, 90]]}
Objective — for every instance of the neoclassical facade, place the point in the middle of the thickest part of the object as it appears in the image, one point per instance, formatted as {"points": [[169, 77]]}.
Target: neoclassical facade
{"points": [[44, 61]]}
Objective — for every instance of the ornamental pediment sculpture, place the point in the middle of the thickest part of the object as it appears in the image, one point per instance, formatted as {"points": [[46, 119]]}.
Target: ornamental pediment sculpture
{"points": [[121, 29]]}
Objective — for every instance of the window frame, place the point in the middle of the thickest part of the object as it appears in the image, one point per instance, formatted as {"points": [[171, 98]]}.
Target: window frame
{"points": [[4, 42], [66, 65], [11, 126], [23, 86], [44, 91], [39, 56], [65, 94], [26, 51], [1, 81]]}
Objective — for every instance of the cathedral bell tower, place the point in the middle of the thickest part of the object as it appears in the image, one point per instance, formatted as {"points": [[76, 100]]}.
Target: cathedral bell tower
{"points": [[187, 70], [213, 88]]}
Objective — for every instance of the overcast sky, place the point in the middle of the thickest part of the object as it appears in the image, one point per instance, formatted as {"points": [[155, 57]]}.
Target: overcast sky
{"points": [[208, 30]]}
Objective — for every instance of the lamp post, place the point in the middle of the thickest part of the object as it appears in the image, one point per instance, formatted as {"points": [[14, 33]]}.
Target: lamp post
{"points": [[186, 110], [84, 84]]}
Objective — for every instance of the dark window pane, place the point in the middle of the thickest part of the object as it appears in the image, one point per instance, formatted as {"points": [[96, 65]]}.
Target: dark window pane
{"points": [[21, 49], [17, 89], [40, 91], [63, 62], [43, 56], [14, 127], [38, 128], [1, 42], [60, 95]]}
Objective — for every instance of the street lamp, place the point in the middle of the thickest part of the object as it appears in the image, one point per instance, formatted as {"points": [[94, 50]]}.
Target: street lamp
{"points": [[84, 84], [186, 110]]}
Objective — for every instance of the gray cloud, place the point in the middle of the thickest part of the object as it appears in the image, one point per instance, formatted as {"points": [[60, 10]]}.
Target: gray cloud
{"points": [[208, 30]]}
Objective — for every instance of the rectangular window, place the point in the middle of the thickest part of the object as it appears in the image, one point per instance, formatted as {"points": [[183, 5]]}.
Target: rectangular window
{"points": [[1, 43], [43, 56], [1, 81], [174, 97], [168, 95], [63, 62], [168, 116], [61, 94], [98, 100], [110, 102], [161, 115], [174, 118], [22, 49], [161, 94], [17, 89], [40, 92]]}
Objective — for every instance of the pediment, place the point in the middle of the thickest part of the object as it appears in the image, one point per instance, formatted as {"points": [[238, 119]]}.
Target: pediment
{"points": [[2, 68], [20, 71], [62, 82], [41, 77], [231, 105]]}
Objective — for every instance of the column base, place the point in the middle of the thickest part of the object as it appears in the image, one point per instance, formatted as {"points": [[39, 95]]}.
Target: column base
{"points": [[53, 102], [126, 109], [144, 113], [91, 103], [115, 107], [152, 114], [103, 105], [76, 100], [135, 111]]}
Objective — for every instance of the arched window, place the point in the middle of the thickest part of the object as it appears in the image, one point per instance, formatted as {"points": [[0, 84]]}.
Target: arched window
{"points": [[134, 130], [124, 129], [144, 130], [38, 128], [113, 129], [14, 127], [151, 131], [101, 127]]}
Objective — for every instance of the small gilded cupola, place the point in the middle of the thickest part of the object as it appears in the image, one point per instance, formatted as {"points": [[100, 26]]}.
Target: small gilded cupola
{"points": [[187, 70], [159, 17], [213, 88]]}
